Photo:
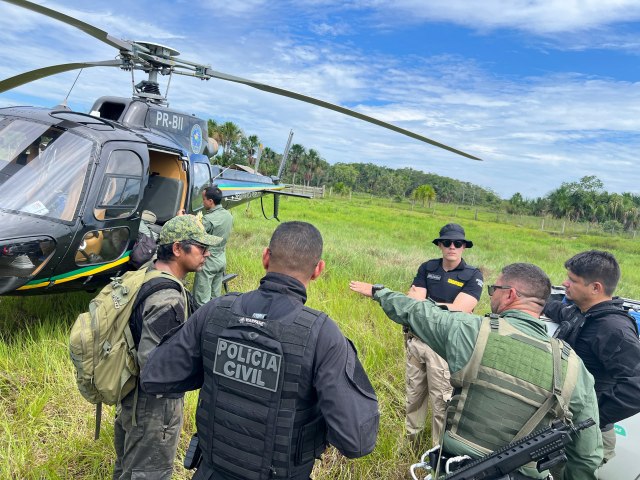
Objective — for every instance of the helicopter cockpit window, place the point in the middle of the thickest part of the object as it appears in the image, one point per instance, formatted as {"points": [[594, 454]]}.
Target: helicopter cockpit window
{"points": [[42, 169], [201, 180], [101, 246], [120, 191]]}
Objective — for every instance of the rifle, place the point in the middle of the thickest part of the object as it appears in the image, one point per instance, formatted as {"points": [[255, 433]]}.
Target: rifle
{"points": [[545, 446]]}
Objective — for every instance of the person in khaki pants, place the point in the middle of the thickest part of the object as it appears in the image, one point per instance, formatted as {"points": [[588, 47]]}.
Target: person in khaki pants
{"points": [[451, 282]]}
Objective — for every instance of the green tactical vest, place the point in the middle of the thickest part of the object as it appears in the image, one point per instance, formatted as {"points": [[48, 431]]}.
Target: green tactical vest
{"points": [[508, 388]]}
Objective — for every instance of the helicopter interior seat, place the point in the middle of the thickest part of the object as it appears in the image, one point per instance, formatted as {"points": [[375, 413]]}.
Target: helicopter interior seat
{"points": [[163, 196]]}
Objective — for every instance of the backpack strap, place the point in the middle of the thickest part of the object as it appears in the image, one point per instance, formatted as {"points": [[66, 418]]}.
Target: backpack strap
{"points": [[154, 282], [149, 287], [559, 400]]}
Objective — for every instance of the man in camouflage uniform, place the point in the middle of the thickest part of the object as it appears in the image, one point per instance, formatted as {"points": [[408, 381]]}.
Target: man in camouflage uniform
{"points": [[509, 377], [147, 428], [217, 221]]}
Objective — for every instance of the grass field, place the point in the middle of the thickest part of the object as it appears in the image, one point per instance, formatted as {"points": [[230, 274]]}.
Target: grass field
{"points": [[46, 428]]}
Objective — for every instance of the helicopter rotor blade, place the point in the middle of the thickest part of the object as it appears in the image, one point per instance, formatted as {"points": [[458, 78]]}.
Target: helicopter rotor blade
{"points": [[95, 32], [337, 108], [137, 55], [26, 77]]}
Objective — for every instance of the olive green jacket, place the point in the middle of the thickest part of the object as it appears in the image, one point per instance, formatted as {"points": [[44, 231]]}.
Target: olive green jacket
{"points": [[218, 222], [453, 336]]}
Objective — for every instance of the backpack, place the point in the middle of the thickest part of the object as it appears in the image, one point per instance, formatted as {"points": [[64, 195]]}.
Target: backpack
{"points": [[143, 250], [101, 345]]}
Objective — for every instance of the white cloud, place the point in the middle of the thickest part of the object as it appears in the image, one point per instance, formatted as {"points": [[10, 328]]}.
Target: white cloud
{"points": [[537, 16], [533, 132]]}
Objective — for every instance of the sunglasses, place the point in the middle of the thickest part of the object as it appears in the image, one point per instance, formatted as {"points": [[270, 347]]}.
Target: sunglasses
{"points": [[491, 289], [456, 243], [201, 248]]}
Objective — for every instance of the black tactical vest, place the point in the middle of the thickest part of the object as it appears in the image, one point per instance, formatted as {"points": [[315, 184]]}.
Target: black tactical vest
{"points": [[252, 422]]}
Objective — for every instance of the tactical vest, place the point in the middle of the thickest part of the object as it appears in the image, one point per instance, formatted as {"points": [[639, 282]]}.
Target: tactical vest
{"points": [[252, 422], [508, 389]]}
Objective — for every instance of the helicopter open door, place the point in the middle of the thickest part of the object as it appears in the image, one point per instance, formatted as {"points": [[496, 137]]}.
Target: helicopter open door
{"points": [[166, 191]]}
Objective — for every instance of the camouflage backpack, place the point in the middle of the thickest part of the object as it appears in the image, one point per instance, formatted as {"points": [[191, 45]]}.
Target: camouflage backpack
{"points": [[101, 345]]}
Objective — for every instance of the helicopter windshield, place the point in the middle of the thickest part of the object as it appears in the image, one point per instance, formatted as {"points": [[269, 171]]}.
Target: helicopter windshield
{"points": [[42, 169]]}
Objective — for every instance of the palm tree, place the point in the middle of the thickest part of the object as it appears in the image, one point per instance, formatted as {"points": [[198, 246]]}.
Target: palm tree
{"points": [[616, 206], [318, 172], [429, 194], [631, 218], [230, 134], [424, 193], [297, 152], [252, 143], [416, 195], [311, 160], [269, 161]]}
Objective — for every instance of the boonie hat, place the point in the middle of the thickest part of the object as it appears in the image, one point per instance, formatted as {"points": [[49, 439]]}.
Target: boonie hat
{"points": [[186, 227], [452, 231]]}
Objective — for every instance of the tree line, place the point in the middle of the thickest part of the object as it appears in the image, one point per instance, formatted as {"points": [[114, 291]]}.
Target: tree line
{"points": [[306, 166], [581, 201]]}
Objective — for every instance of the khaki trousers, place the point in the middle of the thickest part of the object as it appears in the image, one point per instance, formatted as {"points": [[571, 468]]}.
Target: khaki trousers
{"points": [[608, 444], [428, 378]]}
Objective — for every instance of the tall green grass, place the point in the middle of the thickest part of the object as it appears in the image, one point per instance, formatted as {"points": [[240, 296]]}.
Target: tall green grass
{"points": [[46, 428]]}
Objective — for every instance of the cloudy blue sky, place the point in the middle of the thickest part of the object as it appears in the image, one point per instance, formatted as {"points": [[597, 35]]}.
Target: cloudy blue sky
{"points": [[543, 91]]}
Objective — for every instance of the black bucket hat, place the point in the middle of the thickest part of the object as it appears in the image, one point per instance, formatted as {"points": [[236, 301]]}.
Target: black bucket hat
{"points": [[452, 231]]}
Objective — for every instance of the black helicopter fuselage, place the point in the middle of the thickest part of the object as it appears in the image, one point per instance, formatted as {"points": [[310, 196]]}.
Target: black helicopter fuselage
{"points": [[73, 187]]}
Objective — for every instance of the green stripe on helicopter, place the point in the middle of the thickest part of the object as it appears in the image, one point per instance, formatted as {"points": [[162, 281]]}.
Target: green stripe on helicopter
{"points": [[74, 274]]}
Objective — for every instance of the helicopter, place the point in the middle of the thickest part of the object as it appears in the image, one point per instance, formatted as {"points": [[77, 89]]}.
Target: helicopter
{"points": [[73, 185]]}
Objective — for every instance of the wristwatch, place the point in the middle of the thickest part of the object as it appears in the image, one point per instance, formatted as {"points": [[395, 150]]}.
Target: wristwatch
{"points": [[375, 288]]}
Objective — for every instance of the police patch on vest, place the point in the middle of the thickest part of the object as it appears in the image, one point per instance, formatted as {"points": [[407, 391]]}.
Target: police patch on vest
{"points": [[249, 365], [433, 276], [455, 282]]}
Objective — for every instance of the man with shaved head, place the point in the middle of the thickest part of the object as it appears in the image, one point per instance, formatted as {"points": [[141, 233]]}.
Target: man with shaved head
{"points": [[509, 378], [279, 380]]}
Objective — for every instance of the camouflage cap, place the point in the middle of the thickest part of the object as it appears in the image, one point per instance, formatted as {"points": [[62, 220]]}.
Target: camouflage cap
{"points": [[186, 227]]}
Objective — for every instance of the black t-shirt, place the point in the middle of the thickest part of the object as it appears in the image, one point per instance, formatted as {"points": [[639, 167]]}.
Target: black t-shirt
{"points": [[444, 287]]}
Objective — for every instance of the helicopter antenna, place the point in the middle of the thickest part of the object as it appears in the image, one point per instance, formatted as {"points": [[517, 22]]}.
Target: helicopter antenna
{"points": [[133, 83], [166, 92], [285, 155], [64, 102], [260, 148]]}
